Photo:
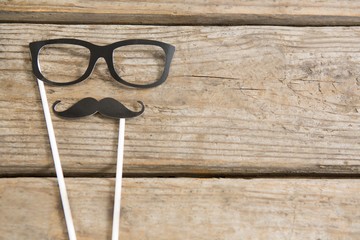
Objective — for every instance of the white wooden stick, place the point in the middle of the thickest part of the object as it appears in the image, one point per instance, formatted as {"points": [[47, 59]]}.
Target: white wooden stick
{"points": [[58, 168], [118, 181]]}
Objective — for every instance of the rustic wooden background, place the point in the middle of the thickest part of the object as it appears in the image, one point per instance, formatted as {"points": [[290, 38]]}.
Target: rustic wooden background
{"points": [[255, 134]]}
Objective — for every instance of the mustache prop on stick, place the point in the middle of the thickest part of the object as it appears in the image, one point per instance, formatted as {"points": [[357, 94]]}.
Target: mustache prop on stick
{"points": [[111, 108], [107, 107]]}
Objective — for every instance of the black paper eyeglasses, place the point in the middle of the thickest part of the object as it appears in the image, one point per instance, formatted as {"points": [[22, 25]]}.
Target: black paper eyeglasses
{"points": [[80, 57]]}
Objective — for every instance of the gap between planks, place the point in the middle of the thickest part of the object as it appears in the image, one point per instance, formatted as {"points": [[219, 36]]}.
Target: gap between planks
{"points": [[291, 175], [178, 12]]}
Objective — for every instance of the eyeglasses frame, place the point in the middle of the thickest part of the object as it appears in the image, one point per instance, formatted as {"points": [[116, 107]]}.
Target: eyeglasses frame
{"points": [[97, 52]]}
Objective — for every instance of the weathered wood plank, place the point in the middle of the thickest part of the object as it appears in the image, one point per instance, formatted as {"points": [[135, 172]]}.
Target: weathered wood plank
{"points": [[238, 100], [280, 12], [184, 208]]}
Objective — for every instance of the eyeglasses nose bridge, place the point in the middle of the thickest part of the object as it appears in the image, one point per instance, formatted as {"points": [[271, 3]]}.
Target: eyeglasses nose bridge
{"points": [[102, 52]]}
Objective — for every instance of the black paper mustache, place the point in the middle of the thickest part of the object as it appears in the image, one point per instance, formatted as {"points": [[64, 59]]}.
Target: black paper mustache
{"points": [[107, 107]]}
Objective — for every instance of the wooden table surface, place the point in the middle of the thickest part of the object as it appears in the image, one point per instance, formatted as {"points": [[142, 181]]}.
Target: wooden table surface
{"points": [[254, 135]]}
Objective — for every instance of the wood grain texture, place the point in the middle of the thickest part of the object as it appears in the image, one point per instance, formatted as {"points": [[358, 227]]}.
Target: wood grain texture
{"points": [[238, 100], [184, 209], [198, 12]]}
